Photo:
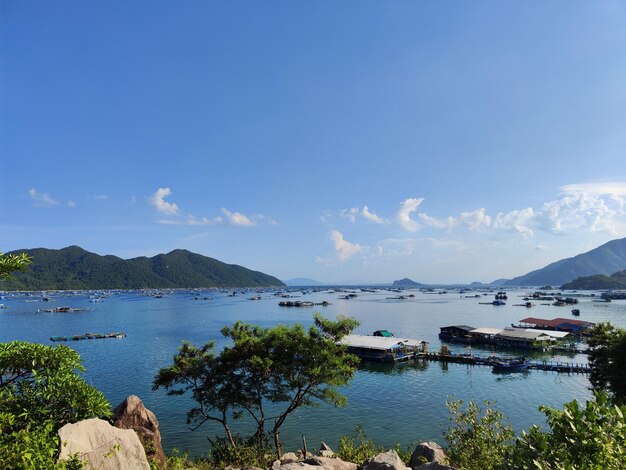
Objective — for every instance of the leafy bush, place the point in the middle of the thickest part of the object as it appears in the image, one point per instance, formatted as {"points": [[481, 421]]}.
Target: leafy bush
{"points": [[40, 392], [477, 439], [593, 437], [246, 453]]}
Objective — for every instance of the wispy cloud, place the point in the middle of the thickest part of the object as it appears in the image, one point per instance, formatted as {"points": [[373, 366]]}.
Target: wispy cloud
{"points": [[192, 220], [403, 216], [614, 188], [237, 218], [100, 197], [161, 205], [71, 203], [365, 212], [344, 250], [41, 199]]}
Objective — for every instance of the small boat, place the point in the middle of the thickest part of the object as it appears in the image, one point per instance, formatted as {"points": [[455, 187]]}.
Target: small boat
{"points": [[576, 312], [514, 365]]}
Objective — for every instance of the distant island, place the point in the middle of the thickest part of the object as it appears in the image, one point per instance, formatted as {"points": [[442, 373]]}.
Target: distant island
{"points": [[605, 259], [75, 268], [405, 283], [598, 282]]}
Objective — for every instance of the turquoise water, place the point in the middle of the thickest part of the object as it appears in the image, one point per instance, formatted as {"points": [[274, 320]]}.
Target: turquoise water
{"points": [[404, 403]]}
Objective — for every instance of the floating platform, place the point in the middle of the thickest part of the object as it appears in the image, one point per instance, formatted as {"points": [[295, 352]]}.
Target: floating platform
{"points": [[552, 366], [117, 335]]}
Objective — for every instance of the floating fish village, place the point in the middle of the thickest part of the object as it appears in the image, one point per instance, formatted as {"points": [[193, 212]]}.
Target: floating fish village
{"points": [[563, 335]]}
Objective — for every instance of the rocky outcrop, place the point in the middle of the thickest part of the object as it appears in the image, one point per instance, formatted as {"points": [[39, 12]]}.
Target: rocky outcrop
{"points": [[102, 446], [386, 461], [132, 414], [312, 463], [434, 466], [426, 452]]}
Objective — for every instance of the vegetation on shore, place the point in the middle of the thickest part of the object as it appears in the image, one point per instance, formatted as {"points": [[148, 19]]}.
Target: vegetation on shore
{"points": [[75, 268], [598, 282]]}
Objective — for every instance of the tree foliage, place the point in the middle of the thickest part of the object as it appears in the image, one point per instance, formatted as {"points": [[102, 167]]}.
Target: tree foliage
{"points": [[590, 437], [477, 439], [40, 391], [13, 262], [282, 364], [607, 358]]}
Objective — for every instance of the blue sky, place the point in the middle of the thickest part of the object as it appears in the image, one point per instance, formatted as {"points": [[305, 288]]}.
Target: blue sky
{"points": [[361, 141]]}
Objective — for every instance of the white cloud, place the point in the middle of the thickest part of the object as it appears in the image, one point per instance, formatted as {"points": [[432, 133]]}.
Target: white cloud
{"points": [[102, 197], [158, 201], [344, 248], [520, 221], [41, 199], [541, 247], [365, 212], [598, 189], [475, 219], [237, 218], [403, 216], [349, 214], [71, 203]]}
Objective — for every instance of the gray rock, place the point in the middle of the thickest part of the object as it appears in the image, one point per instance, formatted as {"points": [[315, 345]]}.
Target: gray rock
{"points": [[132, 414], [434, 466], [289, 457], [428, 452], [324, 446], [102, 446], [386, 461], [295, 466], [327, 453], [326, 463]]}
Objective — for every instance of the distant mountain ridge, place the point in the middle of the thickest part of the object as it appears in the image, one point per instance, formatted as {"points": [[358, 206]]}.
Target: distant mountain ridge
{"points": [[76, 268], [404, 283], [303, 281], [606, 259]]}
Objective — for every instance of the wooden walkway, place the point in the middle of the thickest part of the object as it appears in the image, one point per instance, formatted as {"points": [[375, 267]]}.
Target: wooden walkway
{"points": [[550, 366]]}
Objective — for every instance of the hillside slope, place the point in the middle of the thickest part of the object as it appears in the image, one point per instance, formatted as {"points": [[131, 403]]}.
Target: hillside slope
{"points": [[606, 259], [76, 268]]}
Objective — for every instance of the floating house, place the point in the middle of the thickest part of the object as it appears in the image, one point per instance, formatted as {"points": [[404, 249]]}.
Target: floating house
{"points": [[383, 348], [484, 335], [576, 327], [525, 339], [456, 333]]}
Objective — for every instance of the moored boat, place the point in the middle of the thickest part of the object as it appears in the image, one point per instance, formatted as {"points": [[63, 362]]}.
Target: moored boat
{"points": [[513, 365]]}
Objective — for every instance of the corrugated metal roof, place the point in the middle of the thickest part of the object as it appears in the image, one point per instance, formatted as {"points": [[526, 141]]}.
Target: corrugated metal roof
{"points": [[378, 342], [551, 333], [486, 331], [555, 322], [517, 333]]}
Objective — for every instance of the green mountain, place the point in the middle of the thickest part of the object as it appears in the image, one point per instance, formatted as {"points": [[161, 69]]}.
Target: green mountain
{"points": [[598, 282], [76, 268], [606, 259]]}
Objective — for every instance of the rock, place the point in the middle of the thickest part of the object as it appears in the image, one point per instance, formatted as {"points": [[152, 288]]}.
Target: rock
{"points": [[434, 466], [325, 450], [289, 457], [324, 446], [326, 463], [428, 452], [132, 414], [294, 466], [386, 461], [102, 446]]}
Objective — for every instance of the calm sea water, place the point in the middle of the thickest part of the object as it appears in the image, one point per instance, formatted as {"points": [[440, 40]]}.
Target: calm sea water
{"points": [[404, 403]]}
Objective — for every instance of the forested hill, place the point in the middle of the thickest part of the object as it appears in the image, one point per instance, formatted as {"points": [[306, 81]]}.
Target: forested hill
{"points": [[76, 268], [598, 282], [606, 259]]}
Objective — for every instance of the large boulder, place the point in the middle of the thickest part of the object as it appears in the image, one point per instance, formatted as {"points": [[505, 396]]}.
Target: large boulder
{"points": [[389, 460], [325, 463], [102, 446], [132, 414], [428, 452], [434, 466]]}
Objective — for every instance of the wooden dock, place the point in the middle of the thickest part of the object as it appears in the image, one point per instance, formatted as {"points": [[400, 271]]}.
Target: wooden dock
{"points": [[550, 366]]}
